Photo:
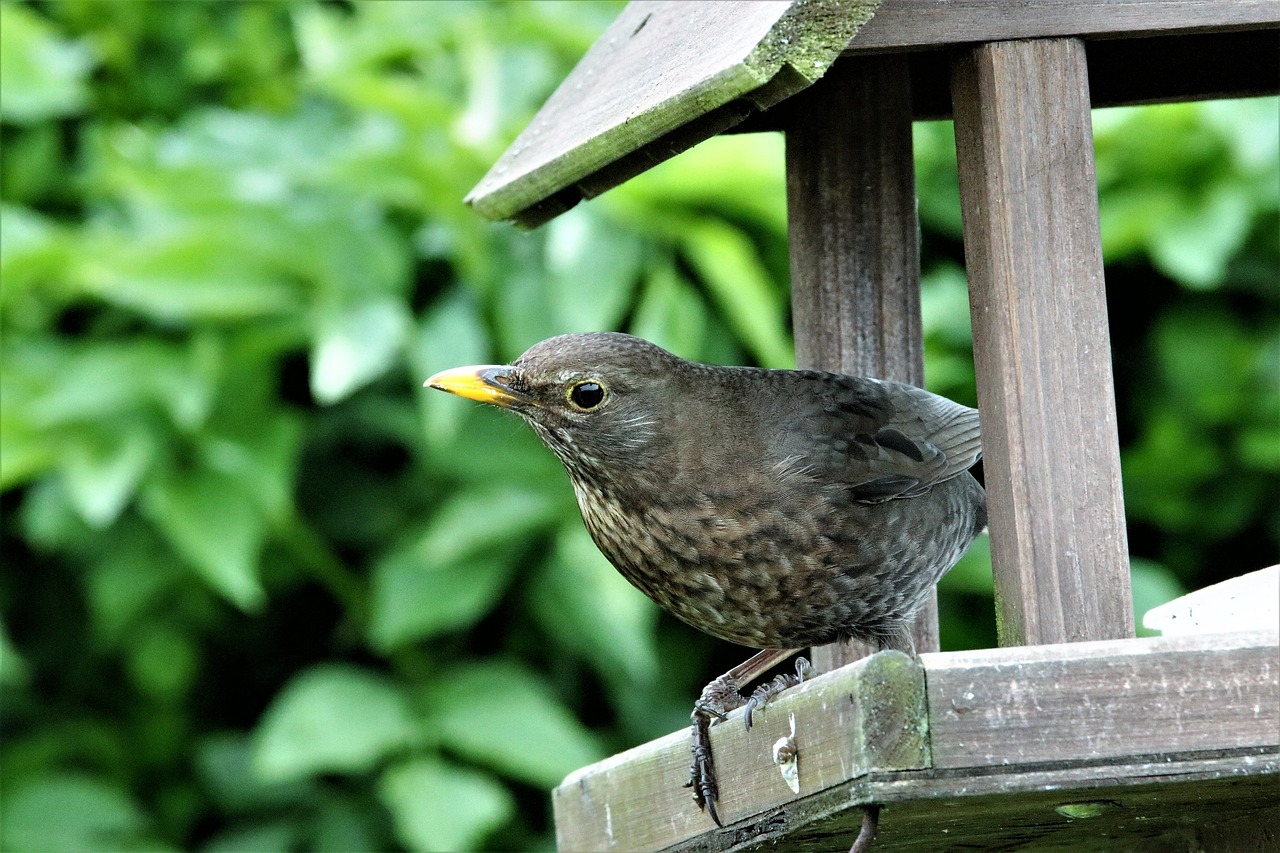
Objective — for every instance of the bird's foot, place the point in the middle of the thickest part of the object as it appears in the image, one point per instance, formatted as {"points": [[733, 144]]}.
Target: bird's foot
{"points": [[720, 697], [717, 700], [702, 773], [762, 694]]}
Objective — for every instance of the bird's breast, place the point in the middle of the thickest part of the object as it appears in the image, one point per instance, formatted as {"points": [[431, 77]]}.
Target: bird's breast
{"points": [[782, 568], [733, 566]]}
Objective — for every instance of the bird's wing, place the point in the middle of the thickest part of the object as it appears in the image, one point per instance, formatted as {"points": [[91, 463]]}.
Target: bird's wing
{"points": [[882, 440]]}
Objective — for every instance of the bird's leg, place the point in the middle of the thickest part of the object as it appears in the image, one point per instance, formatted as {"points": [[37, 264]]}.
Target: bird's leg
{"points": [[719, 698], [867, 833]]}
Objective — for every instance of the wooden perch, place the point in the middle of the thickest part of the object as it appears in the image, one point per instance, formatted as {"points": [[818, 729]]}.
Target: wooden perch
{"points": [[1067, 745]]}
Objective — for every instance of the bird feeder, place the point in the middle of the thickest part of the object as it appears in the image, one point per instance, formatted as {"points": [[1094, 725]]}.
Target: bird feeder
{"points": [[1073, 734]]}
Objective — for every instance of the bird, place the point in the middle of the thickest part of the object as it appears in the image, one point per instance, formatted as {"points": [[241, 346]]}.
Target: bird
{"points": [[774, 509]]}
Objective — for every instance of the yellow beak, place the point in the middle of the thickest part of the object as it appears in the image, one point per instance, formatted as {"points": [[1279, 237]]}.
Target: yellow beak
{"points": [[486, 383]]}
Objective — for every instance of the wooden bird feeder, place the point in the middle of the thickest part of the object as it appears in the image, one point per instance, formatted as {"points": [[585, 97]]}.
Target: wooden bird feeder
{"points": [[1073, 735]]}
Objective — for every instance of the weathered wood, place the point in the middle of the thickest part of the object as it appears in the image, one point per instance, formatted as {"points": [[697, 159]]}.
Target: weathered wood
{"points": [[1077, 702], [1122, 72], [1041, 344], [852, 225], [869, 717], [854, 240], [902, 24], [1177, 804], [664, 76], [671, 73], [1010, 739]]}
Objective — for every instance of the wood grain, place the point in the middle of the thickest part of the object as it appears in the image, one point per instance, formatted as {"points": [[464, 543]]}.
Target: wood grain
{"points": [[905, 24], [1084, 703], [853, 232], [665, 75], [869, 717], [1161, 729], [1180, 805], [1041, 344]]}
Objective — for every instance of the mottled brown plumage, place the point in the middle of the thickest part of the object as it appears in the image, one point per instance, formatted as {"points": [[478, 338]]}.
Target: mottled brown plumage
{"points": [[778, 509]]}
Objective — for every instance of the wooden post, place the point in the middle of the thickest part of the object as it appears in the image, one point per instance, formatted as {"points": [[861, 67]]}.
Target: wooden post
{"points": [[854, 237], [1041, 346]]}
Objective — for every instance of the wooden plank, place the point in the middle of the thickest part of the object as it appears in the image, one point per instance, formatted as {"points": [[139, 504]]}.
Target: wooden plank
{"points": [[906, 24], [1122, 72], [1077, 702], [1148, 807], [650, 82], [1201, 709], [863, 717], [854, 242], [1041, 344]]}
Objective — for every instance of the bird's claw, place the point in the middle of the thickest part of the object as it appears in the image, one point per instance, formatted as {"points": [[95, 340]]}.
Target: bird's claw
{"points": [[720, 697], [717, 700], [702, 774], [762, 694]]}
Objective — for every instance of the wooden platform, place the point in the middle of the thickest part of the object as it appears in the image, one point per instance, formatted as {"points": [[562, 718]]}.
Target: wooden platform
{"points": [[1062, 747]]}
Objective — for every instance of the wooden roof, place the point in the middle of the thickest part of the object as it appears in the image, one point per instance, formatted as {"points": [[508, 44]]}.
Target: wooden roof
{"points": [[666, 75], [671, 73]]}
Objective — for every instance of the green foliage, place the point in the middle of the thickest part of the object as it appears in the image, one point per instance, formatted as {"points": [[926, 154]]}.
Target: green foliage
{"points": [[262, 591]]}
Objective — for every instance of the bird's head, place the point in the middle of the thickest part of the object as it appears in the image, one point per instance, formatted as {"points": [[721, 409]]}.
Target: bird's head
{"points": [[599, 401]]}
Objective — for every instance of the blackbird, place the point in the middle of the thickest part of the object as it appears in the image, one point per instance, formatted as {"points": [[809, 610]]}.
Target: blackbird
{"points": [[776, 509]]}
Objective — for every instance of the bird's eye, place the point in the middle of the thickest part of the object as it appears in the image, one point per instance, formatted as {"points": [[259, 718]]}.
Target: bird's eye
{"points": [[586, 395]]}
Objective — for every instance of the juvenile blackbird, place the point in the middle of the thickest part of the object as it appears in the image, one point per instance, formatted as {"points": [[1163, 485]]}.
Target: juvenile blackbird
{"points": [[777, 509]]}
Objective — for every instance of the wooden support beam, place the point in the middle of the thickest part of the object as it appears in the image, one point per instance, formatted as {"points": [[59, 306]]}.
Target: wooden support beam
{"points": [[1041, 346], [854, 237], [969, 749], [906, 24]]}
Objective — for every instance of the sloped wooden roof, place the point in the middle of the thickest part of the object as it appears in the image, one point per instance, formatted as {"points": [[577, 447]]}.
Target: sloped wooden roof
{"points": [[668, 74]]}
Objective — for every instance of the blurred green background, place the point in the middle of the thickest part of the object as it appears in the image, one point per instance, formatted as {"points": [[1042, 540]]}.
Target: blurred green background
{"points": [[262, 592]]}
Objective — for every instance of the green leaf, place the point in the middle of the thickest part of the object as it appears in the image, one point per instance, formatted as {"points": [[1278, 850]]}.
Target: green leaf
{"points": [[14, 671], [33, 257], [671, 314], [26, 451], [256, 838], [729, 264], [218, 528], [132, 572], [191, 271], [331, 718], [163, 662], [438, 806], [346, 823], [355, 344], [524, 314], [582, 600], [103, 469], [69, 813], [224, 764], [743, 175], [592, 267], [1153, 584], [43, 76], [504, 716], [451, 335], [1194, 248], [972, 572], [944, 306], [258, 448], [453, 571], [63, 384]]}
